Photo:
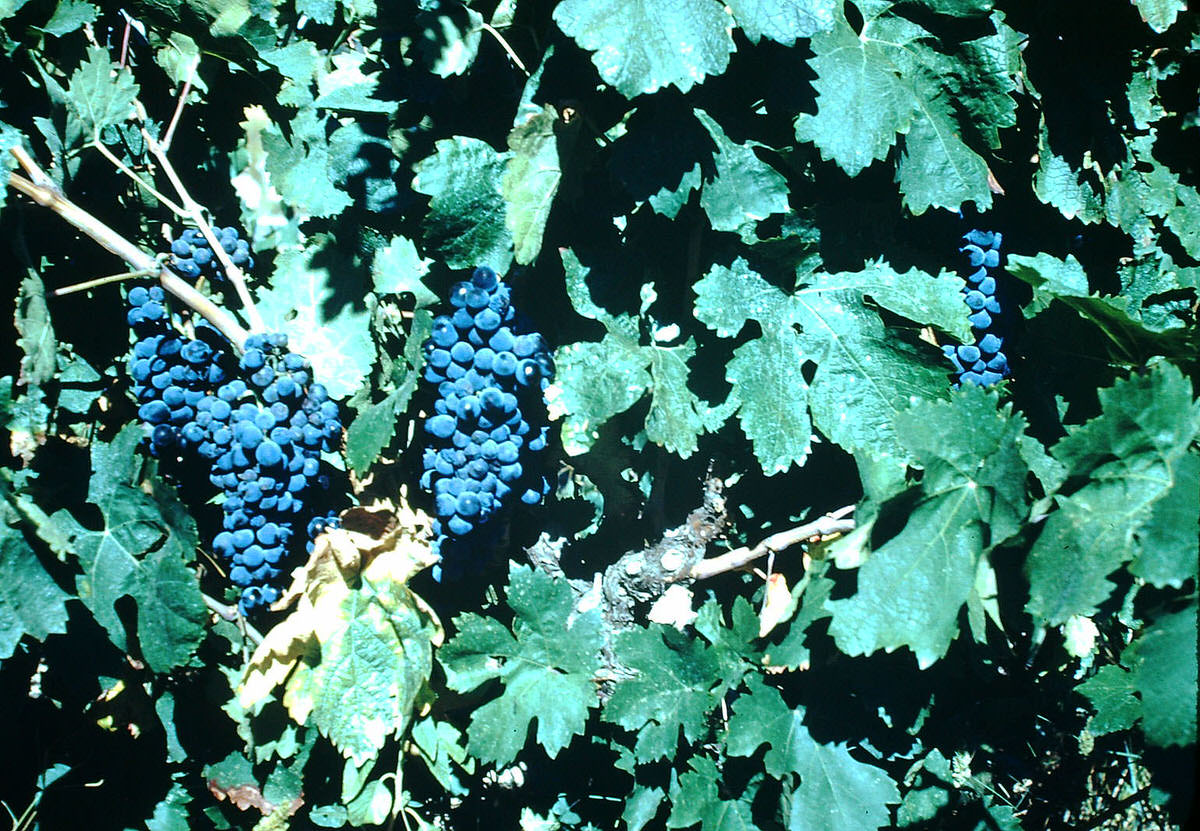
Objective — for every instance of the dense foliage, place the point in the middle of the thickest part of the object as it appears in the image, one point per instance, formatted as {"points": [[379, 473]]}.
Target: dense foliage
{"points": [[793, 567]]}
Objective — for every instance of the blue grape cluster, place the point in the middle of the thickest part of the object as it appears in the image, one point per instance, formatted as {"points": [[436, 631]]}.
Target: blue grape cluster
{"points": [[489, 419], [191, 255], [262, 434], [983, 362]]}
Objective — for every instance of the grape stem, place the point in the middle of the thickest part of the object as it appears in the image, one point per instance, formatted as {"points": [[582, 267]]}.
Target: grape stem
{"points": [[230, 613], [834, 523], [101, 281], [194, 211], [44, 192]]}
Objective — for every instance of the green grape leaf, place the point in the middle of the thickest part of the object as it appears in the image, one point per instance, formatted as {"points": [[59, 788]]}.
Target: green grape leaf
{"points": [[895, 78], [398, 268], [530, 181], [314, 300], [69, 16], [696, 799], [673, 689], [1170, 538], [861, 367], [1111, 694], [139, 553], [301, 169], [37, 341], [441, 748], [641, 807], [346, 87], [450, 38], [1129, 458], [374, 426], [699, 41], [595, 381], [1065, 281], [745, 188], [1163, 667], [545, 664], [31, 603], [101, 93], [1160, 14], [783, 20], [466, 223], [836, 791], [912, 588]]}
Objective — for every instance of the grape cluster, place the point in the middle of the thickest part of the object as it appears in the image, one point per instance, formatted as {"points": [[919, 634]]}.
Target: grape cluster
{"points": [[489, 420], [262, 434], [191, 255], [983, 362]]}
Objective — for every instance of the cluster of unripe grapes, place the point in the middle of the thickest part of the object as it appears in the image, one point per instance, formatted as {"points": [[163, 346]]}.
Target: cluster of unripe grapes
{"points": [[983, 362]]}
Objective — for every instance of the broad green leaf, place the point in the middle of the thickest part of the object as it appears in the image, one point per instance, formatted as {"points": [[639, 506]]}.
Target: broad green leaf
{"points": [[673, 689], [783, 20], [373, 428], [771, 392], [696, 799], [545, 665], [300, 168], [31, 603], [346, 87], [694, 40], [641, 807], [745, 188], [1184, 219], [1057, 184], [895, 78], [1160, 14], [912, 588], [314, 299], [450, 38], [597, 380], [1162, 661], [1129, 458], [138, 553], [530, 181], [836, 791], [466, 221], [69, 16], [100, 93]]}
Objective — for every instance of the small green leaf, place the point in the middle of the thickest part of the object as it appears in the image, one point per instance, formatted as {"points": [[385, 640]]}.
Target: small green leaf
{"points": [[299, 166], [695, 41], [1160, 14], [1164, 669], [69, 16], [1111, 694], [101, 93], [545, 664], [745, 188], [696, 799], [373, 428], [398, 268]]}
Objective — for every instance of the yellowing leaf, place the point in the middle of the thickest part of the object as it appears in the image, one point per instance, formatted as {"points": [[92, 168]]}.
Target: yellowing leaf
{"points": [[358, 647]]}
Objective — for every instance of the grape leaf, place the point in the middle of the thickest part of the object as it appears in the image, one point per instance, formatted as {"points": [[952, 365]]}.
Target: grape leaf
{"points": [[911, 589], [783, 20], [859, 365], [346, 87], [101, 93], [314, 300], [138, 553], [1160, 14], [1129, 458], [545, 664], [672, 691], [1164, 672], [1170, 538], [745, 188], [695, 799], [466, 221], [358, 648], [1110, 692], [595, 381], [69, 16], [398, 268], [530, 181], [31, 603], [893, 78], [836, 791], [696, 40], [300, 166]]}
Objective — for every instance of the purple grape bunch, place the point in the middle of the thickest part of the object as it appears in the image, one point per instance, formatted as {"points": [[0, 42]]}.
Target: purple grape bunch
{"points": [[982, 362]]}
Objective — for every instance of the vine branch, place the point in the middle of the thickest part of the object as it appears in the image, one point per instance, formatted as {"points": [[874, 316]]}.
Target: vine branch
{"points": [[39, 188]]}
